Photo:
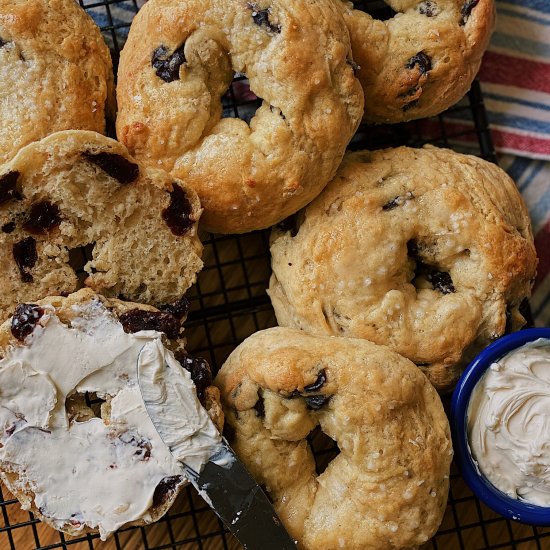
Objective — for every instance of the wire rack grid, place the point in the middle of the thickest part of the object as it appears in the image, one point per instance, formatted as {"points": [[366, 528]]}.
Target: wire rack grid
{"points": [[229, 303]]}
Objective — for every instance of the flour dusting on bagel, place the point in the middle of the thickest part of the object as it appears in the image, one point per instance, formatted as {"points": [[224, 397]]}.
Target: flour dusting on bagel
{"points": [[387, 488], [422, 60], [427, 251], [55, 72], [179, 60]]}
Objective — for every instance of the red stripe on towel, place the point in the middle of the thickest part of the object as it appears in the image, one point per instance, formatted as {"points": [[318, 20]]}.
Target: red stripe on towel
{"points": [[515, 71]]}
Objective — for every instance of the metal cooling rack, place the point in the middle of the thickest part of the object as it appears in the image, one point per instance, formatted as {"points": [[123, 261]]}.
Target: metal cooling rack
{"points": [[229, 303]]}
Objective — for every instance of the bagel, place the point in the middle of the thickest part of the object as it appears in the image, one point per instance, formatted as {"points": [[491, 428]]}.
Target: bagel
{"points": [[78, 448], [179, 60], [387, 488], [421, 61], [77, 188], [55, 72], [427, 251]]}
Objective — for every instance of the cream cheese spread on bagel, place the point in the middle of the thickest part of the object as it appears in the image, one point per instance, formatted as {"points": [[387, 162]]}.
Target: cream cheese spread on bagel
{"points": [[79, 465]]}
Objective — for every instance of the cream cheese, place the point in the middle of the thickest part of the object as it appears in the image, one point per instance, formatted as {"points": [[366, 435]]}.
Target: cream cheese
{"points": [[509, 423], [97, 473], [181, 422]]}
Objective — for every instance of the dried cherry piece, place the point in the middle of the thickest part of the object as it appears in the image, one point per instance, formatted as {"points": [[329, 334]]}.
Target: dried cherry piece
{"points": [[355, 67], [466, 10], [315, 402], [318, 384], [422, 61], [179, 308], [429, 9], [8, 227], [24, 320], [166, 65], [199, 370], [25, 256], [8, 186], [441, 281], [136, 319], [178, 215], [114, 165], [271, 108], [144, 449], [165, 489], [43, 217], [261, 18], [398, 201]]}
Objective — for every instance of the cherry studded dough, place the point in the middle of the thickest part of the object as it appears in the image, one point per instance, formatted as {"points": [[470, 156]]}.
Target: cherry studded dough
{"points": [[427, 251], [421, 61], [387, 489], [76, 189], [78, 448], [179, 60], [55, 72]]}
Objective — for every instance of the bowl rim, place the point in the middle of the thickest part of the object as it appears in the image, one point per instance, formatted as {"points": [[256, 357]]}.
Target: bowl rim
{"points": [[478, 483]]}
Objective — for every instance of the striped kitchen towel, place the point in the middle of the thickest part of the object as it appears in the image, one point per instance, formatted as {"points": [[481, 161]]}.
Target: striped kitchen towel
{"points": [[515, 77]]}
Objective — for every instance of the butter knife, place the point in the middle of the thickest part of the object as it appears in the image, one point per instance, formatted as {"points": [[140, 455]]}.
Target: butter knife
{"points": [[223, 482]]}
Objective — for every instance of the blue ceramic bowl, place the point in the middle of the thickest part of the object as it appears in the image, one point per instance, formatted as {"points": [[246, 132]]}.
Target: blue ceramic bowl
{"points": [[486, 491]]}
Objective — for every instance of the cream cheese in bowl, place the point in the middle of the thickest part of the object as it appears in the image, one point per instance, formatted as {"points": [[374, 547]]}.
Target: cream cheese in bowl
{"points": [[500, 423], [508, 423]]}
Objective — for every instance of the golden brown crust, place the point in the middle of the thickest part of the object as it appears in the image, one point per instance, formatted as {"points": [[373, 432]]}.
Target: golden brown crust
{"points": [[135, 252], [390, 480], [247, 176], [66, 311], [55, 72], [425, 250], [421, 62]]}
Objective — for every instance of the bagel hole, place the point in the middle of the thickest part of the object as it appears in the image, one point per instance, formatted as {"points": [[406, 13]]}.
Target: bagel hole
{"points": [[83, 406], [427, 275], [377, 9], [239, 101], [324, 449]]}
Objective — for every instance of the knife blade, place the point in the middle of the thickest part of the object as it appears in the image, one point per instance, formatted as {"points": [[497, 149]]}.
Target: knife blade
{"points": [[223, 481]]}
